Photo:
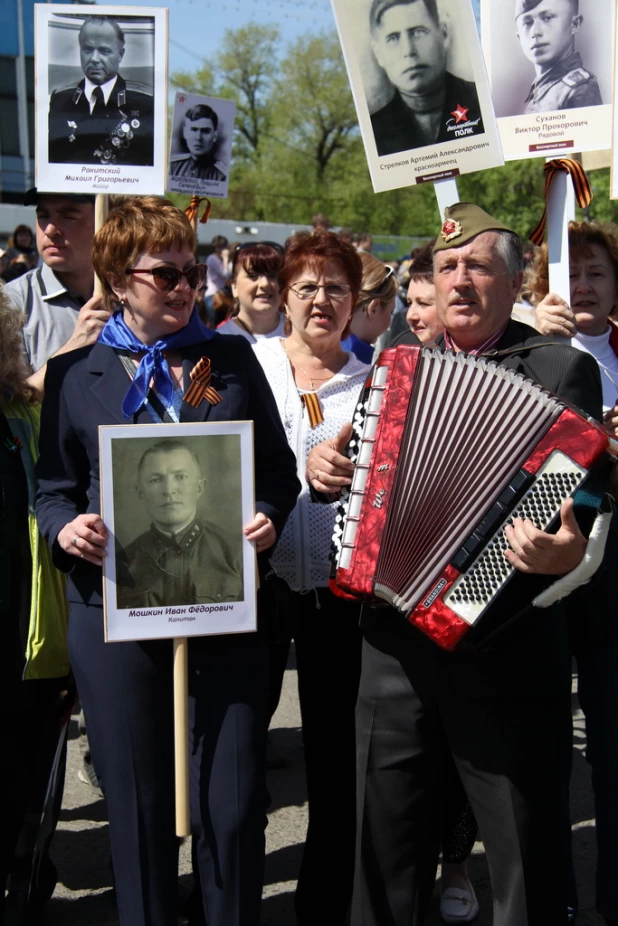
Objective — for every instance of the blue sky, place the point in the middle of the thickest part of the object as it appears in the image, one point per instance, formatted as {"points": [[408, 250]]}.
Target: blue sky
{"points": [[197, 26]]}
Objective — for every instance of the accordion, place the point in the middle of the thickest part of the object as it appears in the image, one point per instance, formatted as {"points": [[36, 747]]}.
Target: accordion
{"points": [[449, 448]]}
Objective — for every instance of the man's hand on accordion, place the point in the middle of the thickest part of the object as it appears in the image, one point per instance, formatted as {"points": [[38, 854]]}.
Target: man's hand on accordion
{"points": [[328, 469], [534, 551]]}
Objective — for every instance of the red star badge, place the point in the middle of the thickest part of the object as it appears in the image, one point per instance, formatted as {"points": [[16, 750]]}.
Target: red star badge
{"points": [[451, 229], [461, 113], [181, 98]]}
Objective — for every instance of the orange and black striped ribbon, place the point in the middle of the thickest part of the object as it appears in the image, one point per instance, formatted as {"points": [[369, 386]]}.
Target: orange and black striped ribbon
{"points": [[200, 387], [581, 184], [193, 207], [314, 409]]}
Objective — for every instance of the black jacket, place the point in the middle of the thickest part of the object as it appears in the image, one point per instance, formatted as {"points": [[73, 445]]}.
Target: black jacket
{"points": [[395, 128], [120, 133], [85, 389]]}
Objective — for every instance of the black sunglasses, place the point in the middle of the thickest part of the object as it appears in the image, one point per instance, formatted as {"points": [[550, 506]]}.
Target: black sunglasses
{"points": [[252, 244], [167, 278]]}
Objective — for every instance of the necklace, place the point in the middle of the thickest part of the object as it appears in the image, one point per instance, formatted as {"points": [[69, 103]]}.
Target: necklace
{"points": [[312, 379]]}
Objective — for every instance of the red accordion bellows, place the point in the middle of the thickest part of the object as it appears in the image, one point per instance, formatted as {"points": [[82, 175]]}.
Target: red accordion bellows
{"points": [[450, 445]]}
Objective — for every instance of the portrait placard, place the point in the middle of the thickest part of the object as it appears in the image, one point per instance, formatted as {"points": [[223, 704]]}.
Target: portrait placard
{"points": [[201, 145], [550, 66], [175, 498], [420, 89], [101, 99]]}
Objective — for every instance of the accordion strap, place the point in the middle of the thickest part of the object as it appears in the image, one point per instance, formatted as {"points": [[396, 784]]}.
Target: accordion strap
{"points": [[491, 354]]}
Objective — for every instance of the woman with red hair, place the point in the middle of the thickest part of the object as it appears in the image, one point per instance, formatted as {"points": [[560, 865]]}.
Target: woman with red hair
{"points": [[316, 384]]}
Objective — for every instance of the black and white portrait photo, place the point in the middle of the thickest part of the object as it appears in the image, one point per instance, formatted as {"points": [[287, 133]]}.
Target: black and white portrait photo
{"points": [[549, 57], [201, 145], [416, 68], [174, 503], [101, 94]]}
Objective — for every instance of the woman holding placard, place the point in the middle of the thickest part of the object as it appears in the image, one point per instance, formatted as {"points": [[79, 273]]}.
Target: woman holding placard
{"points": [[588, 322], [144, 255]]}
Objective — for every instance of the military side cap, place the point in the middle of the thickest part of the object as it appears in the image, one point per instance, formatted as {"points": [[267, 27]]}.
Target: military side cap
{"points": [[524, 6], [465, 221]]}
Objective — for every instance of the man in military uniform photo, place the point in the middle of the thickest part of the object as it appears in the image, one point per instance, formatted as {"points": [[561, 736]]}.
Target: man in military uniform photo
{"points": [[103, 119], [200, 133], [430, 105], [546, 31], [182, 559]]}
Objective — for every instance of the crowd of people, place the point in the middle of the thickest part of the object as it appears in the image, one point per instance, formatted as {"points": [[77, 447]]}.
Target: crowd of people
{"points": [[411, 752]]}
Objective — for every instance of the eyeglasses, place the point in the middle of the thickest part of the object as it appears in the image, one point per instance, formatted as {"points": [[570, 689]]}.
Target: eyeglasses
{"points": [[167, 278], [333, 291]]}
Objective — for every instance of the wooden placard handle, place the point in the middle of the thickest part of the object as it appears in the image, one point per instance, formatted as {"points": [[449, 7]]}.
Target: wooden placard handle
{"points": [[181, 735], [101, 208]]}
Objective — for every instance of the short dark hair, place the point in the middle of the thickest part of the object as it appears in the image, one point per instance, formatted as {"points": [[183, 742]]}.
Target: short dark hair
{"points": [[167, 445], [421, 265], [201, 111], [103, 21], [261, 257], [379, 8]]}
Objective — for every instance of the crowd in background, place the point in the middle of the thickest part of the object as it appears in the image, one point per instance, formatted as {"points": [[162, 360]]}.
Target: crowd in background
{"points": [[315, 313]]}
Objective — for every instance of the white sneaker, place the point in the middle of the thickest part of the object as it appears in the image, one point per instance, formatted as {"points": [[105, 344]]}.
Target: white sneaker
{"points": [[458, 905]]}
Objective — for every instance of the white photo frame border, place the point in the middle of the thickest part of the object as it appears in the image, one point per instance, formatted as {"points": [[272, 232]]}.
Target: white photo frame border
{"points": [[429, 163], [555, 133], [99, 178], [226, 112], [190, 620]]}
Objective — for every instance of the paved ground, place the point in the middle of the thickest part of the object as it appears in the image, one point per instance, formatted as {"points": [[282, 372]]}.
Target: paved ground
{"points": [[84, 896]]}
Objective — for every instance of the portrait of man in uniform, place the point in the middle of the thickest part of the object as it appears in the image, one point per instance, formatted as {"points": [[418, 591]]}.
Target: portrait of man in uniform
{"points": [[103, 118], [199, 138], [547, 31], [184, 558], [410, 42]]}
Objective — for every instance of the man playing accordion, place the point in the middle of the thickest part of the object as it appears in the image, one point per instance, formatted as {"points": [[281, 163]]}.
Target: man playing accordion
{"points": [[504, 712]]}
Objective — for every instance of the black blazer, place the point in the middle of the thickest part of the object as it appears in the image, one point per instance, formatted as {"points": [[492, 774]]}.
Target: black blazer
{"points": [[85, 388], [561, 369]]}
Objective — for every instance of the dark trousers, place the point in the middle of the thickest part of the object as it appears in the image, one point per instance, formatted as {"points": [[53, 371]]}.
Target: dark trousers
{"points": [[597, 670], [507, 746], [328, 647], [126, 692]]}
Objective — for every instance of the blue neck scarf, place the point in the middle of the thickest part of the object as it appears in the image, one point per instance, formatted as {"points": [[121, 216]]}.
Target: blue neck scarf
{"points": [[153, 365]]}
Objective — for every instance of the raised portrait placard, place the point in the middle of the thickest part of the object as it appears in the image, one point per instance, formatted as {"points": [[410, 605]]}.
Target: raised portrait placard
{"points": [[201, 145], [550, 66], [101, 99], [420, 88], [175, 498]]}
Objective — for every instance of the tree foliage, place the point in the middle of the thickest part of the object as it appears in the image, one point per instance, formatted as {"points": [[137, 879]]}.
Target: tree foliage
{"points": [[298, 150]]}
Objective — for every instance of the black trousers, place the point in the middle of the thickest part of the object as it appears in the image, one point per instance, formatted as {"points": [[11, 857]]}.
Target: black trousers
{"points": [[328, 649], [126, 692], [508, 747]]}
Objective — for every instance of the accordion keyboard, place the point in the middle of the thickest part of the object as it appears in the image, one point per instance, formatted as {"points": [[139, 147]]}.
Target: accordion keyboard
{"points": [[475, 589]]}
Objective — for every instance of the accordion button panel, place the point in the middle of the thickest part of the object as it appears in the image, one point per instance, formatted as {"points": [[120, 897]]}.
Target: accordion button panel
{"points": [[474, 590]]}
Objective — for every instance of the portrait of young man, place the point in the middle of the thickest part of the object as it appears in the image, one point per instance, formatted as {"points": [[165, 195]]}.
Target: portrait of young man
{"points": [[199, 139], [183, 558], [547, 31], [102, 118], [410, 42]]}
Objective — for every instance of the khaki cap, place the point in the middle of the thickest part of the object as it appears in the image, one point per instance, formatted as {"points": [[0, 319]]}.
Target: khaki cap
{"points": [[524, 6], [465, 221]]}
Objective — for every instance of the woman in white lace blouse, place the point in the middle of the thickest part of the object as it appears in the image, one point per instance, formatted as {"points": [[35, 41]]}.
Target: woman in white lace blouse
{"points": [[316, 384]]}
